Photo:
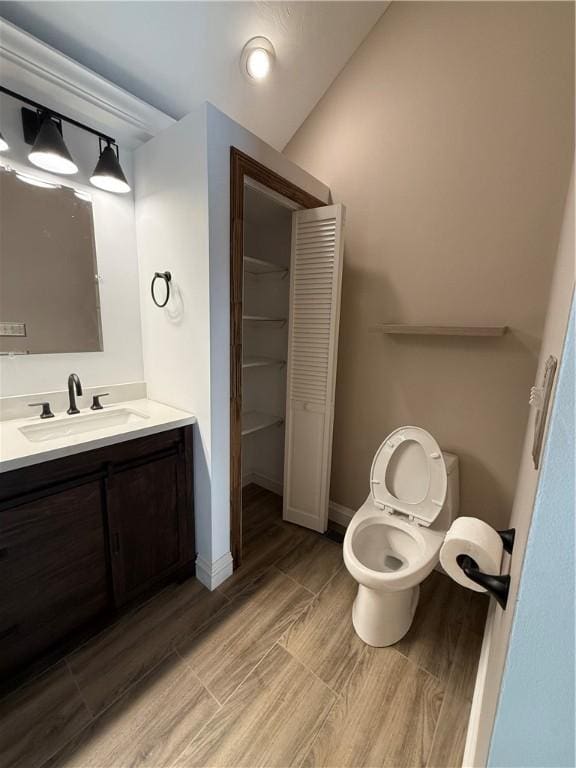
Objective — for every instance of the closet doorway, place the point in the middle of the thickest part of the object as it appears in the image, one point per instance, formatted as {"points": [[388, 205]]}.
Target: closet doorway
{"points": [[278, 231]]}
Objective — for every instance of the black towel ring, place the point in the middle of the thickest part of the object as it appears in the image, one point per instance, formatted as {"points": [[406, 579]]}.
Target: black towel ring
{"points": [[167, 277]]}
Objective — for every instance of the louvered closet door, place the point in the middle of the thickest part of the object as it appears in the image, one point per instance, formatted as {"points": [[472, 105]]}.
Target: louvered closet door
{"points": [[315, 282]]}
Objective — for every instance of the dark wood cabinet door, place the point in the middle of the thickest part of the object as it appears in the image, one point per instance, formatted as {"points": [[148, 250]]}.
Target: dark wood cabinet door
{"points": [[53, 571], [147, 511]]}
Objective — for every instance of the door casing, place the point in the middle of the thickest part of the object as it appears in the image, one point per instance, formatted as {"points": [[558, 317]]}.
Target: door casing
{"points": [[243, 166]]}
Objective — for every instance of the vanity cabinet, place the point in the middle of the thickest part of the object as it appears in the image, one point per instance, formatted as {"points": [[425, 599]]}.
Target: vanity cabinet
{"points": [[147, 519], [53, 575], [83, 537]]}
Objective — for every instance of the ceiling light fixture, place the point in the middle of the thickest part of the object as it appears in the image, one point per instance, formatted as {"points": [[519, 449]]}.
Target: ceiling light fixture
{"points": [[49, 151], [42, 128], [108, 174], [257, 58]]}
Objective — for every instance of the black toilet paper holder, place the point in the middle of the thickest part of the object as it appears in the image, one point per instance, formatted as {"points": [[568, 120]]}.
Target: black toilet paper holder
{"points": [[497, 586]]}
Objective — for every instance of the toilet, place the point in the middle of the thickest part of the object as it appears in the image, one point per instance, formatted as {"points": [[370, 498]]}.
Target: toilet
{"points": [[393, 541]]}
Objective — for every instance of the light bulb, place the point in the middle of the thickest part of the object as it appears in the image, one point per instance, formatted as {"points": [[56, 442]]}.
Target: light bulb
{"points": [[257, 59], [108, 174], [49, 151], [110, 184], [258, 63], [54, 163]]}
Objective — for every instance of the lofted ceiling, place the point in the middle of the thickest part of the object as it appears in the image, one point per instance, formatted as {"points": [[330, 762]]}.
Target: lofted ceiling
{"points": [[174, 55]]}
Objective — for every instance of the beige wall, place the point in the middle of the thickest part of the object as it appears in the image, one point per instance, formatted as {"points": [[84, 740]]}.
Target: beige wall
{"points": [[449, 138]]}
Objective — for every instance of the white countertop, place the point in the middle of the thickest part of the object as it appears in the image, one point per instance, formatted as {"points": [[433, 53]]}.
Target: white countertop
{"points": [[17, 451]]}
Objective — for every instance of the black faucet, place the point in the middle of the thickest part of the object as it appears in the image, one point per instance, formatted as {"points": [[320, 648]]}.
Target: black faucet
{"points": [[73, 384]]}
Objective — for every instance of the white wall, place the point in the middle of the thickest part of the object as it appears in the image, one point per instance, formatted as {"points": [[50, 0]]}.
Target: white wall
{"points": [[182, 179], [222, 133], [172, 234], [121, 360]]}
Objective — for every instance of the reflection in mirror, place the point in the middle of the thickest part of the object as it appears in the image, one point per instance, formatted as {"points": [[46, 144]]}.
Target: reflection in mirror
{"points": [[49, 299]]}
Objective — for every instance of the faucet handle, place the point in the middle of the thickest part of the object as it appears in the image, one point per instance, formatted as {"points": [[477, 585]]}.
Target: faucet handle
{"points": [[96, 404], [46, 412]]}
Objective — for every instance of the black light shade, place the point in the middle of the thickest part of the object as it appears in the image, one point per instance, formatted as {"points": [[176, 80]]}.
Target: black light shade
{"points": [[3, 143], [108, 174], [49, 151]]}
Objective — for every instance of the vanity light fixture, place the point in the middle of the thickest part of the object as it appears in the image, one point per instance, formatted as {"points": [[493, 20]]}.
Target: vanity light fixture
{"points": [[42, 128], [108, 174], [49, 151], [257, 58]]}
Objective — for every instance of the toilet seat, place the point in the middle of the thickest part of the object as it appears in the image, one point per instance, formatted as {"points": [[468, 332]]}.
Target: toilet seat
{"points": [[372, 529], [408, 475]]}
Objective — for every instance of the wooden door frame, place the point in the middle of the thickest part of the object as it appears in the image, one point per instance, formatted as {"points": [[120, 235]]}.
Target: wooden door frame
{"points": [[242, 166]]}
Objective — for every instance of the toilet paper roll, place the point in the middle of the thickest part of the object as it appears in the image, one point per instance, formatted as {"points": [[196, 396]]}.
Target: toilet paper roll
{"points": [[473, 537]]}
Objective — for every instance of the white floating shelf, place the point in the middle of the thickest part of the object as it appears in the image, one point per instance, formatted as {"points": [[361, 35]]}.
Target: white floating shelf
{"points": [[254, 421], [261, 267], [260, 362], [442, 330], [263, 319]]}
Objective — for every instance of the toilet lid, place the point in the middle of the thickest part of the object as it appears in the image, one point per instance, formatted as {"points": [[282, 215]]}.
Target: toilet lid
{"points": [[409, 475]]}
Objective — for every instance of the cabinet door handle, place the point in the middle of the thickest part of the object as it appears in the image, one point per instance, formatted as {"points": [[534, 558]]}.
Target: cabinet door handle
{"points": [[116, 543]]}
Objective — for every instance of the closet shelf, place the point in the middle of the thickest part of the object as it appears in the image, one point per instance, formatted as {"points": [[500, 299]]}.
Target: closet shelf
{"points": [[442, 330], [260, 362], [261, 267], [254, 421], [263, 319]]}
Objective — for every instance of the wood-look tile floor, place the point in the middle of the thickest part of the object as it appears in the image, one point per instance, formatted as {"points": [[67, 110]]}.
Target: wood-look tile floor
{"points": [[265, 671]]}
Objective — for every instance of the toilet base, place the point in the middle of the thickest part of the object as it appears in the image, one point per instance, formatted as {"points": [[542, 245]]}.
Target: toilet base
{"points": [[383, 618]]}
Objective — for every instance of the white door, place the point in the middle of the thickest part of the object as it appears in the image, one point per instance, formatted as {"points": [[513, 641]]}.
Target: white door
{"points": [[315, 284]]}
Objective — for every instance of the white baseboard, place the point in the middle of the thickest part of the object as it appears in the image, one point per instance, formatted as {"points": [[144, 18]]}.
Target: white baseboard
{"points": [[336, 512], [213, 574], [340, 514], [264, 482], [478, 735]]}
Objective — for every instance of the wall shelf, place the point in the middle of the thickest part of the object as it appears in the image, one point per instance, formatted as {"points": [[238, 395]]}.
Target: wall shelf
{"points": [[405, 329], [263, 319], [261, 267], [254, 421], [260, 362]]}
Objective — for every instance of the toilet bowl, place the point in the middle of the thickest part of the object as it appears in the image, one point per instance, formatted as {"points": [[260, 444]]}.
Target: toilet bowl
{"points": [[393, 541]]}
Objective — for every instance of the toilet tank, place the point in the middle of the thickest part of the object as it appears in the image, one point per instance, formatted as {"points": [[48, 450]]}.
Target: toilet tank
{"points": [[451, 506]]}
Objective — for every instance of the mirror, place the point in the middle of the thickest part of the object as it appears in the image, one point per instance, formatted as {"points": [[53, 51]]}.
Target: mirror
{"points": [[49, 298]]}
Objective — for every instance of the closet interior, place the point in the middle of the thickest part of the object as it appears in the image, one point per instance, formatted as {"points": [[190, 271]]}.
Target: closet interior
{"points": [[266, 289], [281, 420]]}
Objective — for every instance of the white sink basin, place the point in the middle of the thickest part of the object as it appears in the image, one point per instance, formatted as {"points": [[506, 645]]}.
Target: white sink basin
{"points": [[78, 425]]}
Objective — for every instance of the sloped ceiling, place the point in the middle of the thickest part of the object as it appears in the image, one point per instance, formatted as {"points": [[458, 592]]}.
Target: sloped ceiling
{"points": [[176, 54]]}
